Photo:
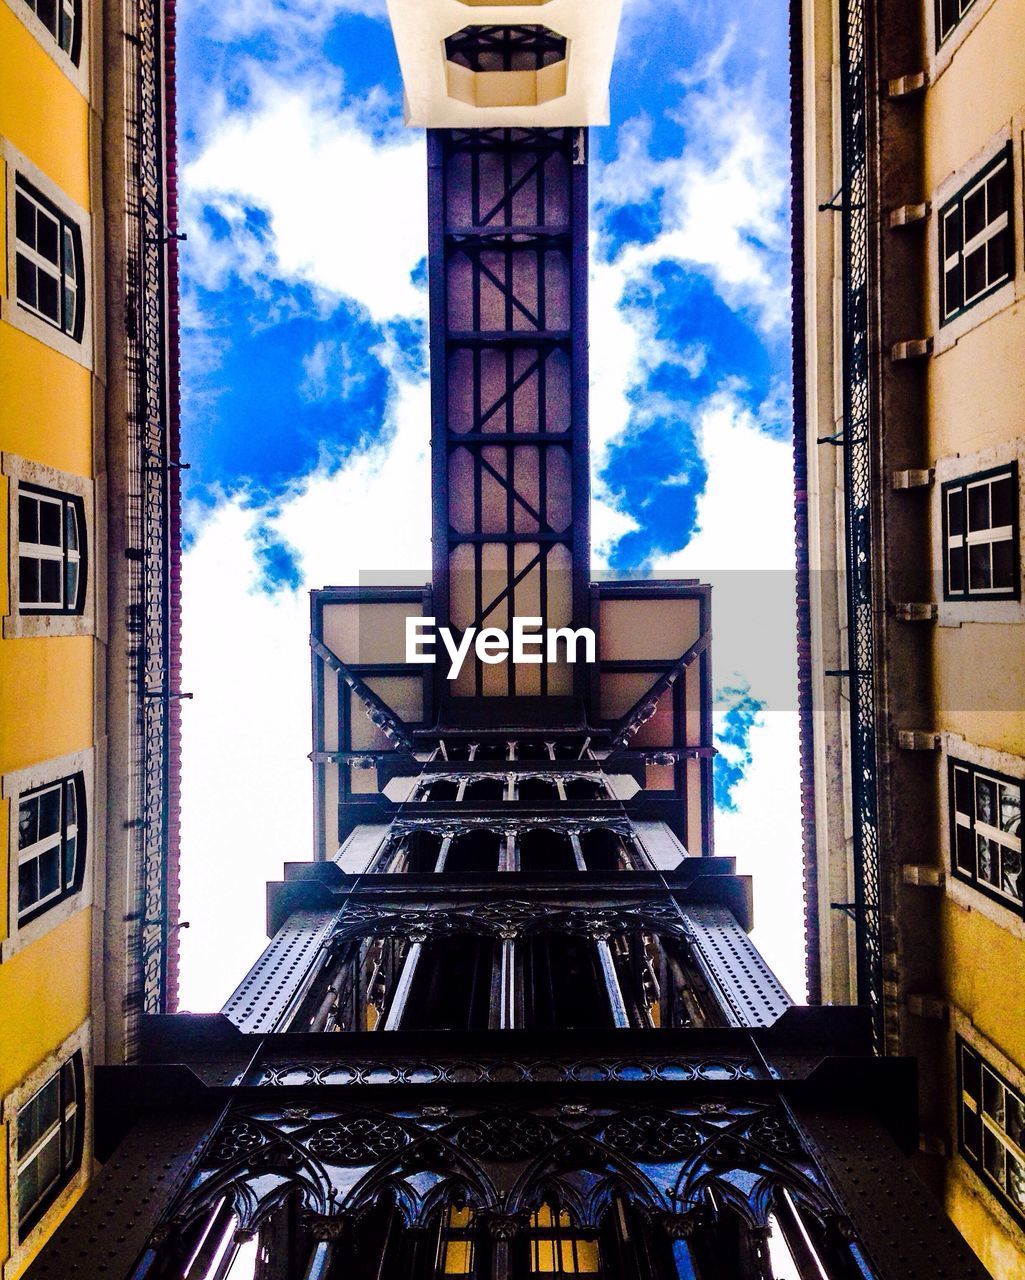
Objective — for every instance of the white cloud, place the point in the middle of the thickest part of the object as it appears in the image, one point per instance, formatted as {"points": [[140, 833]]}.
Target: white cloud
{"points": [[346, 211], [722, 199], [764, 834], [743, 545], [297, 20], [246, 783]]}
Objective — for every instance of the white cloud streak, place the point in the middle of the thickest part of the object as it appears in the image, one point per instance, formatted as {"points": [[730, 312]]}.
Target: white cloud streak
{"points": [[346, 212]]}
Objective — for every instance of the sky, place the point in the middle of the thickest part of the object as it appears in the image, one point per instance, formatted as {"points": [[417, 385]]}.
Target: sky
{"points": [[306, 415]]}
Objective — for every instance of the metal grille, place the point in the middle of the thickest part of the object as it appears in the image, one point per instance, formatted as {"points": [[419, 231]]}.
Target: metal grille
{"points": [[856, 440], [508, 235], [524, 48], [152, 491]]}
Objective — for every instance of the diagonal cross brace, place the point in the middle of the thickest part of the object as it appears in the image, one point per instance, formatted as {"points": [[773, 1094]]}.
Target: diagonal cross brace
{"points": [[378, 711]]}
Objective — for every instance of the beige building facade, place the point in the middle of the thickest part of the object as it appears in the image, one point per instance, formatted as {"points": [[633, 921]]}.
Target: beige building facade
{"points": [[910, 445]]}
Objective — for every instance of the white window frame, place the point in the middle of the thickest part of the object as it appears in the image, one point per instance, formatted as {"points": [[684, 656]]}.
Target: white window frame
{"points": [[69, 1079], [947, 330], [64, 272], [19, 314], [941, 51], [954, 209], [15, 785], [63, 554], [992, 1124], [76, 71], [34, 620], [989, 536], [993, 833], [984, 607], [1002, 909], [71, 826], [21, 1251]]}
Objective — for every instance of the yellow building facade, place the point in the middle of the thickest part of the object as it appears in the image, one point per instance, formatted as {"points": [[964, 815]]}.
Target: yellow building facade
{"points": [[910, 402], [74, 917]]}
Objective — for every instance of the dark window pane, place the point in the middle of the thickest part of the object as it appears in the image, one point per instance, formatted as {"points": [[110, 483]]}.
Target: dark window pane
{"points": [[50, 585], [28, 885], [40, 1113], [952, 292], [28, 580], [71, 585], [50, 812], [989, 860], [28, 518], [979, 576], [28, 822], [952, 232], [963, 791], [25, 219], [974, 273], [970, 1077], [978, 507], [975, 213], [48, 301], [70, 857], [50, 524], [986, 801], [49, 872], [955, 511], [1003, 500], [998, 195], [47, 11], [1010, 809], [965, 850], [1003, 565], [972, 1133], [1010, 880], [1014, 1124], [48, 237], [949, 16], [998, 258], [956, 570], [25, 272], [992, 1096], [71, 527]]}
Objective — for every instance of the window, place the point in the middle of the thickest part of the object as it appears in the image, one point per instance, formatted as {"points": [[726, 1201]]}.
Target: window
{"points": [[63, 20], [986, 831], [991, 1128], [980, 536], [457, 1244], [49, 1143], [51, 554], [51, 845], [948, 15], [48, 261], [557, 1247], [977, 239]]}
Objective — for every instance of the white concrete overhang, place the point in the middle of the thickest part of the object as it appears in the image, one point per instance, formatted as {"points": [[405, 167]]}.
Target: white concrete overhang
{"points": [[439, 95]]}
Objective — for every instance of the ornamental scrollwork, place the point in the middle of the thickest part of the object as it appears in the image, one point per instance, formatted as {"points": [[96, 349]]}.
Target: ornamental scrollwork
{"points": [[359, 1140], [653, 1136], [505, 1137], [506, 918], [666, 1161]]}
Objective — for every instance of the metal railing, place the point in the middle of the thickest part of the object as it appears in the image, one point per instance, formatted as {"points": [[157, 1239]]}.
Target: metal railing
{"points": [[855, 438], [150, 492]]}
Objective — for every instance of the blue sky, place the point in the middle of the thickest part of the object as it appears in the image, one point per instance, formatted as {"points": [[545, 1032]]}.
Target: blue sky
{"points": [[305, 411]]}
